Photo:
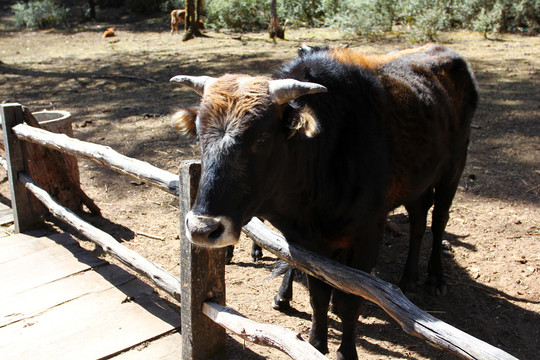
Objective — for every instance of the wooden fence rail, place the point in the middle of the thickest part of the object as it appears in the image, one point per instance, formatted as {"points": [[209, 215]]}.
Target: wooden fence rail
{"points": [[389, 297], [103, 155], [202, 277]]}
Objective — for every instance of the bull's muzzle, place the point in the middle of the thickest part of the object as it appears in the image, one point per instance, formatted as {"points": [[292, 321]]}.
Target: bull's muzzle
{"points": [[210, 231]]}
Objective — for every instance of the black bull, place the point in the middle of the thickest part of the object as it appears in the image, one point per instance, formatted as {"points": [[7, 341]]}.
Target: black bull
{"points": [[326, 151]]}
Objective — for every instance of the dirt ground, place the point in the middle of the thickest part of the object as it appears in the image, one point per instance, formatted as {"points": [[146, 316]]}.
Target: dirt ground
{"points": [[118, 92]]}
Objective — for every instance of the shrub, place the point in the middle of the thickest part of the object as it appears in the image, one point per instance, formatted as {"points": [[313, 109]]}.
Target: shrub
{"points": [[39, 14], [362, 17], [242, 15], [501, 15], [310, 12], [170, 5], [425, 18]]}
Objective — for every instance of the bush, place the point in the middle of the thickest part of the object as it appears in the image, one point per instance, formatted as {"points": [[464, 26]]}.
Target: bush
{"points": [[501, 15], [423, 19], [362, 17], [242, 15], [170, 5], [39, 14], [310, 12]]}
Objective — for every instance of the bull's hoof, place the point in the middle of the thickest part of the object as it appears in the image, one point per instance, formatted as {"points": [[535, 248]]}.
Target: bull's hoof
{"points": [[436, 287], [320, 345], [281, 304], [408, 286], [256, 255], [347, 355]]}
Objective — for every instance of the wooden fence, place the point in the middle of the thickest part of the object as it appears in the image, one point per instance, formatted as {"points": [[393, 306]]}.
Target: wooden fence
{"points": [[201, 287]]}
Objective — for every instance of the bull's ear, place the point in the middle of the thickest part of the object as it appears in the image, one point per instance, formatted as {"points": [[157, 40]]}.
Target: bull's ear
{"points": [[305, 124], [185, 121]]}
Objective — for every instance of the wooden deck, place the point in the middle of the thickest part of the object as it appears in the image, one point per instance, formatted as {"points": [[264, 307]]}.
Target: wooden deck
{"points": [[58, 301]]}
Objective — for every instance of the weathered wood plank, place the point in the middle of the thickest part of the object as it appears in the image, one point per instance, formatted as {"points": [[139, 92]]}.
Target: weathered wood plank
{"points": [[14, 247], [32, 302], [92, 326], [15, 238], [6, 214], [202, 278], [167, 347], [44, 266]]}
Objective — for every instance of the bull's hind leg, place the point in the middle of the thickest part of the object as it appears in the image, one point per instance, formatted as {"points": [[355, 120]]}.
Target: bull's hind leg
{"points": [[417, 210], [282, 300], [444, 194]]}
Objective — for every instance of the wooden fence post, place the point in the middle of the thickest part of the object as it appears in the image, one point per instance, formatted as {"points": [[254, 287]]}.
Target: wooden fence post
{"points": [[24, 217], [202, 278]]}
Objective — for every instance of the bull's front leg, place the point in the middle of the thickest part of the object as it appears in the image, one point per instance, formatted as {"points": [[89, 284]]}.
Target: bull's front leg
{"points": [[319, 295], [256, 252], [347, 307]]}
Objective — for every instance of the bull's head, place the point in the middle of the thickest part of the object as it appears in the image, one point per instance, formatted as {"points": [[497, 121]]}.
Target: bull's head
{"points": [[243, 124]]}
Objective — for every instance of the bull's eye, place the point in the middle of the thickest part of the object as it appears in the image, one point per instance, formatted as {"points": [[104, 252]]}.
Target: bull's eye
{"points": [[261, 143]]}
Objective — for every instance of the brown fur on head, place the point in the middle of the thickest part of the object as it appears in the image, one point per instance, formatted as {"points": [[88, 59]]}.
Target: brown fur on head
{"points": [[233, 102], [236, 98]]}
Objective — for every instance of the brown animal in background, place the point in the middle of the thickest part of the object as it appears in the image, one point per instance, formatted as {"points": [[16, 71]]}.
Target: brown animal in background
{"points": [[109, 32], [179, 16]]}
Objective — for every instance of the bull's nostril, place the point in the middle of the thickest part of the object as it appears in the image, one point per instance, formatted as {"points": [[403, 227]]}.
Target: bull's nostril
{"points": [[211, 231], [216, 234]]}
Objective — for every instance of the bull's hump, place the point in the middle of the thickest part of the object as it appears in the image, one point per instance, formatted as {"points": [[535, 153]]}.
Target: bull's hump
{"points": [[371, 61]]}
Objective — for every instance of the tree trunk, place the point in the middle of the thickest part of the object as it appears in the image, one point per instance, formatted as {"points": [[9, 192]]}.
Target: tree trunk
{"points": [[92, 9], [200, 9], [273, 29], [192, 16]]}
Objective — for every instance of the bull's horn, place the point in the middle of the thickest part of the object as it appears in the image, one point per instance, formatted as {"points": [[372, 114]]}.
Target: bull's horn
{"points": [[289, 89], [197, 83]]}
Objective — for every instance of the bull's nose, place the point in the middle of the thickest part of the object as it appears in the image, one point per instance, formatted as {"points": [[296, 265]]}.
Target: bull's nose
{"points": [[203, 226], [209, 230]]}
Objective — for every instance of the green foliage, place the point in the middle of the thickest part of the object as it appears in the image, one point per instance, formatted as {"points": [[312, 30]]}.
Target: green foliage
{"points": [[309, 12], [501, 15], [362, 17], [423, 19], [39, 14], [241, 15], [170, 5]]}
